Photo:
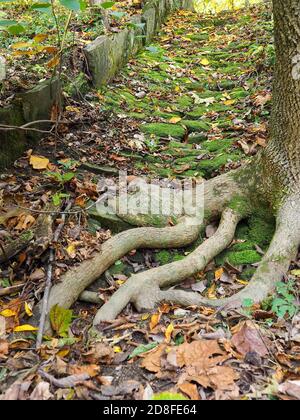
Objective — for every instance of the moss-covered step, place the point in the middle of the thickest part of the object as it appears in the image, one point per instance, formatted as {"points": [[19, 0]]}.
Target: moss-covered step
{"points": [[163, 130]]}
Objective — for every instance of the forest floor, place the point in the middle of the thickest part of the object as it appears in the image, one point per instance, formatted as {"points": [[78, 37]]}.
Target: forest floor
{"points": [[195, 104]]}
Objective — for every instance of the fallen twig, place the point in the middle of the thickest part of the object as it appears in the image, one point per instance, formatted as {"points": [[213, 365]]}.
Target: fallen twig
{"points": [[44, 310], [11, 289]]}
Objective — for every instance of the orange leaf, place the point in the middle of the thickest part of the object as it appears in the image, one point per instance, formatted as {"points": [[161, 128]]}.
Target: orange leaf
{"points": [[154, 321]]}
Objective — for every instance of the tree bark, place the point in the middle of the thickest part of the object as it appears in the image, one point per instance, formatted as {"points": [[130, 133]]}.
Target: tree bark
{"points": [[280, 161]]}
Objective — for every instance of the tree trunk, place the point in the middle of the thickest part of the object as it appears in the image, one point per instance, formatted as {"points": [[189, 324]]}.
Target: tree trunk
{"points": [[280, 161]]}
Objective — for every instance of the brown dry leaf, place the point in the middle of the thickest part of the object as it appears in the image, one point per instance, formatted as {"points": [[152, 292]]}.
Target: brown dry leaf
{"points": [[25, 221], [3, 349], [91, 370], [216, 377], [190, 390], [205, 352], [202, 359], [262, 99], [41, 392], [152, 361], [250, 339], [291, 388], [37, 275], [100, 353], [39, 162]]}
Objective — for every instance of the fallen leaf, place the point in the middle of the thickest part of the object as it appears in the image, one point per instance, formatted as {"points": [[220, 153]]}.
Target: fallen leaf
{"points": [[3, 349], [25, 328], [175, 120], [7, 313], [28, 309], [152, 360], [154, 320], [168, 332], [291, 388], [204, 62], [250, 339], [218, 273], [190, 390], [41, 392], [39, 162], [92, 370]]}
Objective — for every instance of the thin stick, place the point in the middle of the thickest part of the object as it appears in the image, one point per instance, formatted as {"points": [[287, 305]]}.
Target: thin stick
{"points": [[31, 210], [11, 289], [44, 310]]}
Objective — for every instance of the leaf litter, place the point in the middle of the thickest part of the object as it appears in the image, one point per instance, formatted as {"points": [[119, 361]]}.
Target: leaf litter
{"points": [[194, 353]]}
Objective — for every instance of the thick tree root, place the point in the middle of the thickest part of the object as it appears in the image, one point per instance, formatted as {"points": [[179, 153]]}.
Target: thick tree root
{"points": [[76, 280], [143, 289], [218, 193]]}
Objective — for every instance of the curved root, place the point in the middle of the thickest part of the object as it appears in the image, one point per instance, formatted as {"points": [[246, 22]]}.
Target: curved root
{"points": [[143, 289], [76, 280]]}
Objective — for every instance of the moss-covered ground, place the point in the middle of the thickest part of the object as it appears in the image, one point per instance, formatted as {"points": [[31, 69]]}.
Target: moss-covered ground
{"points": [[197, 98], [195, 95]]}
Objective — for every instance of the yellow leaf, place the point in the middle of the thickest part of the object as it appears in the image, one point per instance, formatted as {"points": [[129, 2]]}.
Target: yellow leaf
{"points": [[73, 109], [71, 250], [154, 320], [53, 62], [144, 317], [40, 37], [63, 353], [177, 88], [229, 102], [120, 282], [28, 309], [117, 349], [175, 120], [204, 62], [218, 273], [211, 293], [39, 162], [168, 332], [19, 45], [243, 282], [25, 327], [7, 313]]}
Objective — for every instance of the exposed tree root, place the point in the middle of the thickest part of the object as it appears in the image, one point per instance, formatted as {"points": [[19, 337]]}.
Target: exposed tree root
{"points": [[143, 289], [218, 193], [79, 278]]}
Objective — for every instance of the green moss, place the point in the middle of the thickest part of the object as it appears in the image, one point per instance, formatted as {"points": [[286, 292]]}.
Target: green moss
{"points": [[196, 138], [261, 229], [248, 273], [184, 101], [242, 246], [164, 130], [240, 205], [195, 126], [163, 257], [244, 257], [218, 145], [217, 162]]}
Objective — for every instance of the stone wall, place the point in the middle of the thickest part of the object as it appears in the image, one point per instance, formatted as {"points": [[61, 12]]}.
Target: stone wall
{"points": [[32, 105], [108, 53], [105, 56]]}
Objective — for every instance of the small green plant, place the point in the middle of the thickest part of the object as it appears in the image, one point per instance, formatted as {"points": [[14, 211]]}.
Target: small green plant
{"points": [[284, 304], [248, 306], [59, 197], [61, 178]]}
